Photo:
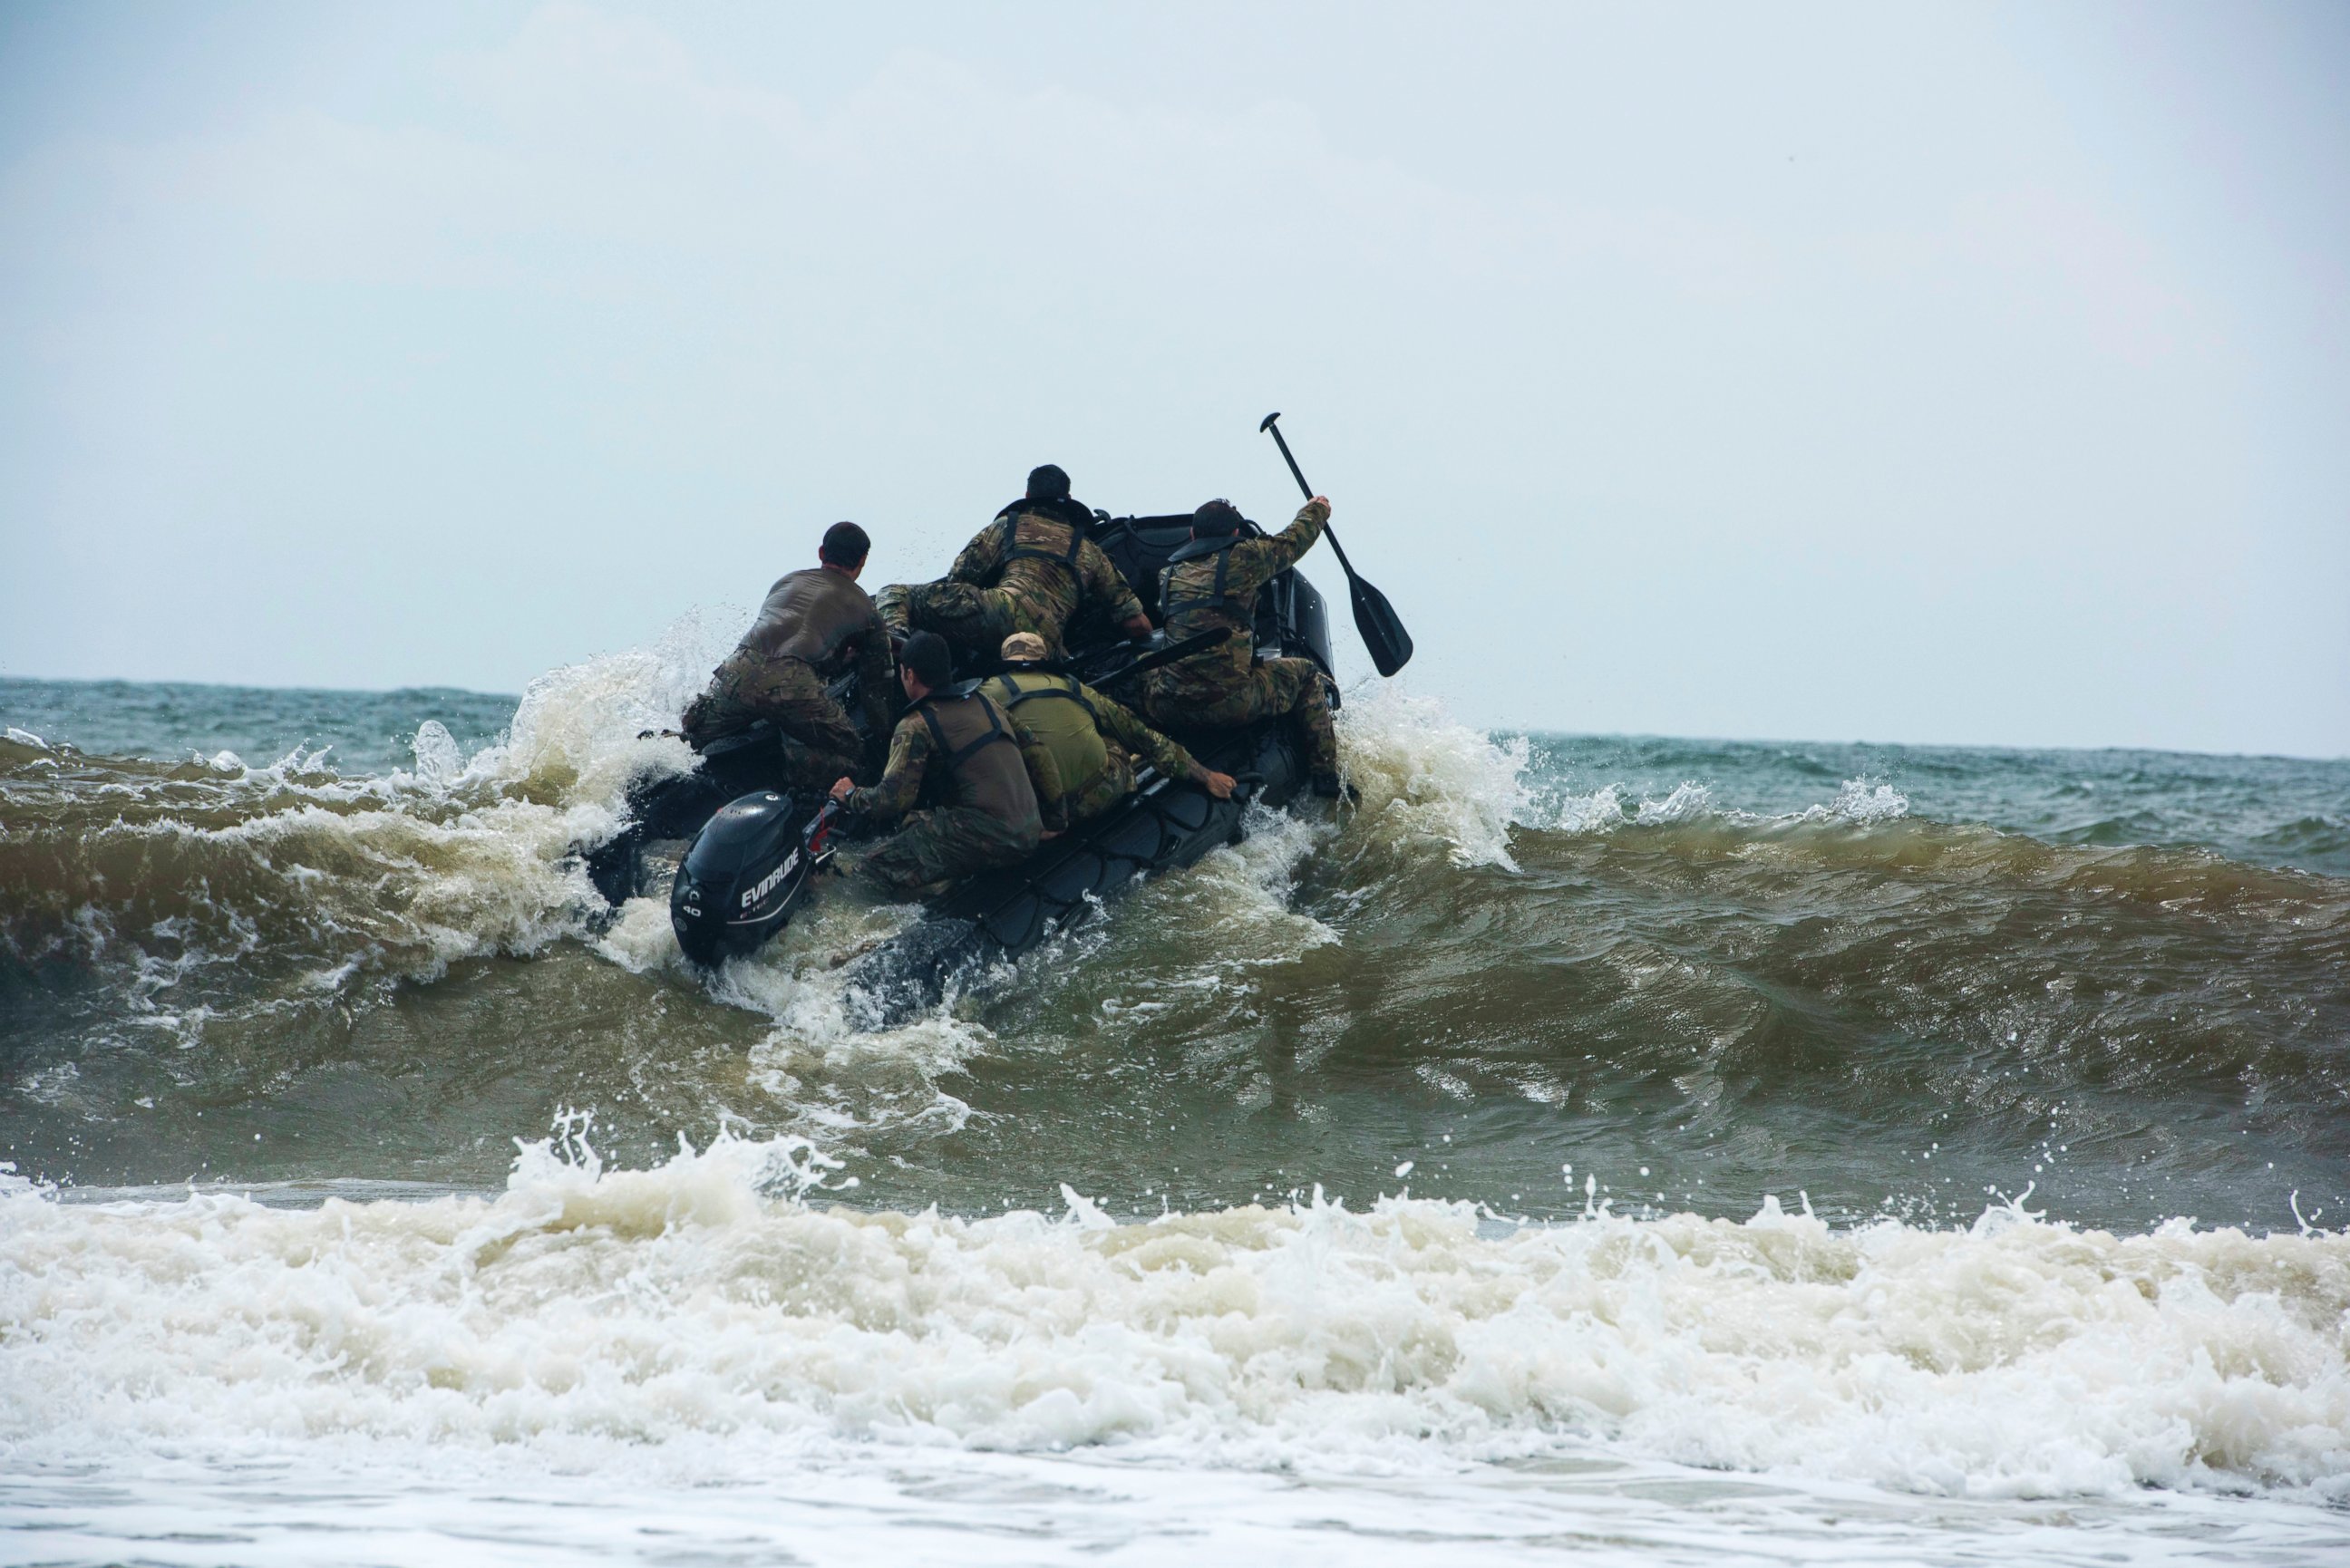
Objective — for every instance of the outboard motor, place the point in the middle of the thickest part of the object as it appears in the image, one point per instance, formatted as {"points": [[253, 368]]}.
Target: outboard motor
{"points": [[1300, 622], [745, 874]]}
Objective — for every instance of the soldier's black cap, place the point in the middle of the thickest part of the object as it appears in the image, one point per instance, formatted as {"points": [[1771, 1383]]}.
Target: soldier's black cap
{"points": [[845, 545], [926, 655], [1217, 517], [1048, 482]]}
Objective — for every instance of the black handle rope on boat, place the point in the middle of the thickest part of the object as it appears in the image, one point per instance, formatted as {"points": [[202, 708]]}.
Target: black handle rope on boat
{"points": [[1376, 620], [1149, 782]]}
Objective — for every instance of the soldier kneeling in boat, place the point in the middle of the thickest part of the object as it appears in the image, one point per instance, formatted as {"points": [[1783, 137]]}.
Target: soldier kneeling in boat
{"points": [[1211, 584], [1092, 739], [1033, 570], [991, 788], [816, 626]]}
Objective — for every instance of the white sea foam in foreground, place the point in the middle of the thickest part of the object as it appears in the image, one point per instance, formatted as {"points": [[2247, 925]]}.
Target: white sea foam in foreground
{"points": [[591, 1334]]}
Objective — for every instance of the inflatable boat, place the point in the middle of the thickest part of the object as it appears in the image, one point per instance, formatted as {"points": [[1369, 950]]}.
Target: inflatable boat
{"points": [[746, 858]]}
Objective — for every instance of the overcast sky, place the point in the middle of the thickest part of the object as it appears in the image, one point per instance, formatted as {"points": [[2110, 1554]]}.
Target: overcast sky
{"points": [[1899, 373]]}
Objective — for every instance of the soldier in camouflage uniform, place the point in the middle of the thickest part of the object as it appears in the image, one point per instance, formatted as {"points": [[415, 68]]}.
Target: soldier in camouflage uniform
{"points": [[990, 789], [1213, 583], [816, 625], [1092, 739], [1033, 570]]}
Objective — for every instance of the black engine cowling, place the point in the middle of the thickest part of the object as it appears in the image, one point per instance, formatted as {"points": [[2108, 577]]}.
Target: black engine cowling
{"points": [[743, 879]]}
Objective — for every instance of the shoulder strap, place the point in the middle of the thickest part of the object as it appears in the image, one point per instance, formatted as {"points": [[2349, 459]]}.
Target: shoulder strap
{"points": [[995, 730], [1064, 687], [1013, 551], [958, 755], [1192, 549], [1215, 595], [937, 731]]}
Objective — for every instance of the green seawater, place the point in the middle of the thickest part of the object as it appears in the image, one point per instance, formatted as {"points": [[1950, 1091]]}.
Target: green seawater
{"points": [[1543, 972]]}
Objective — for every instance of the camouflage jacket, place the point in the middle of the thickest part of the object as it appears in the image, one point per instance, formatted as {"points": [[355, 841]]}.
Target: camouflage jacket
{"points": [[1026, 552], [1118, 721], [1251, 564]]}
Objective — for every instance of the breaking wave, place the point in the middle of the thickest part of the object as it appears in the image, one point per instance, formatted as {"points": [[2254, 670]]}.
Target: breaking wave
{"points": [[709, 1294]]}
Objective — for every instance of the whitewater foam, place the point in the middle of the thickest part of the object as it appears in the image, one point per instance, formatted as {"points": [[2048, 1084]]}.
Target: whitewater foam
{"points": [[1861, 803], [1422, 774], [1370, 996], [1858, 803], [397, 875], [706, 1295]]}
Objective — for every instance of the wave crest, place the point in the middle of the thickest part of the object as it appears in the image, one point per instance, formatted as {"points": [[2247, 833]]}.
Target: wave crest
{"points": [[2016, 1358]]}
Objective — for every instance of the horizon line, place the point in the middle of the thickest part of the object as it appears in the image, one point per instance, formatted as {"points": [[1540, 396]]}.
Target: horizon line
{"points": [[1493, 729]]}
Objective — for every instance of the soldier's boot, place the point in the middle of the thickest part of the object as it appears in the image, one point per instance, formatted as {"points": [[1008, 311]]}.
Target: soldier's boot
{"points": [[1298, 687], [1320, 737]]}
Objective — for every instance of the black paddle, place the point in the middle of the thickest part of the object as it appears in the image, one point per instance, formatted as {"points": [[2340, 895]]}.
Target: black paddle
{"points": [[1375, 619], [1148, 661]]}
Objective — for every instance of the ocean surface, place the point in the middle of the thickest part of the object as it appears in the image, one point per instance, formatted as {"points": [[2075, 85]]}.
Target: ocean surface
{"points": [[1630, 1150]]}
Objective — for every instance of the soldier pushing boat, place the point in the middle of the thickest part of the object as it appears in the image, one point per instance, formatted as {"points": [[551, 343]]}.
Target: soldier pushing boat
{"points": [[816, 626]]}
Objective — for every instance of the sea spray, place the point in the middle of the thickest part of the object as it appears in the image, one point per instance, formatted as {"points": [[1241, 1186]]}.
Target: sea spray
{"points": [[1421, 772]]}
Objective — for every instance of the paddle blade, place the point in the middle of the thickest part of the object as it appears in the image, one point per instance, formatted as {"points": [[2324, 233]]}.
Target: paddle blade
{"points": [[1382, 630]]}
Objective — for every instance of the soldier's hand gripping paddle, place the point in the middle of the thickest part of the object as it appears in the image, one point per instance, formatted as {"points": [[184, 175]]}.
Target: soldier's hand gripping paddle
{"points": [[1381, 629]]}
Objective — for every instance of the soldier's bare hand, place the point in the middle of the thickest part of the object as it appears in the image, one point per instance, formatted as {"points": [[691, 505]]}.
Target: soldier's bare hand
{"points": [[1323, 502], [841, 787], [1219, 785]]}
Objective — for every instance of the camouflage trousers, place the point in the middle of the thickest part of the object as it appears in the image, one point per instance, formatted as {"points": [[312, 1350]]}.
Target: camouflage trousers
{"points": [[1296, 687], [1112, 785], [975, 619], [815, 742], [934, 849]]}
